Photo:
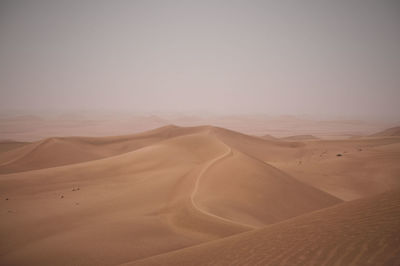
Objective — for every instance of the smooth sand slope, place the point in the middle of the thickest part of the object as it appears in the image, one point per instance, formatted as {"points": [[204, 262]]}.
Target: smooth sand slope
{"points": [[366, 166], [242, 188], [7, 145], [362, 232], [113, 200], [53, 152], [347, 169]]}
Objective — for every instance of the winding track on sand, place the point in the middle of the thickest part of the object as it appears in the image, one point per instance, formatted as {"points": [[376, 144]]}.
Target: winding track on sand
{"points": [[196, 187]]}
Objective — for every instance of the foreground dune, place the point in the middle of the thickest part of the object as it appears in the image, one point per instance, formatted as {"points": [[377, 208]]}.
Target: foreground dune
{"points": [[362, 232], [113, 200]]}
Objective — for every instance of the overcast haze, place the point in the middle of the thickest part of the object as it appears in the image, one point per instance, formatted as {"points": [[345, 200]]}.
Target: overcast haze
{"points": [[340, 58]]}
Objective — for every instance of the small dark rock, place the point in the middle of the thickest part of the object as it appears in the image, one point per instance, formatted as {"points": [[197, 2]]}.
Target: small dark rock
{"points": [[6, 198], [339, 154], [62, 196]]}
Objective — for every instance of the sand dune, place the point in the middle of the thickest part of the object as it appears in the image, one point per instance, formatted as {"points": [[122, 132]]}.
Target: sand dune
{"points": [[53, 152], [390, 132], [7, 145], [268, 137], [300, 137], [364, 167], [113, 200], [362, 232], [258, 193], [133, 195]]}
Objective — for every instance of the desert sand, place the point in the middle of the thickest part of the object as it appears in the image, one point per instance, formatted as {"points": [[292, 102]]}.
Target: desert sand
{"points": [[200, 195], [361, 232]]}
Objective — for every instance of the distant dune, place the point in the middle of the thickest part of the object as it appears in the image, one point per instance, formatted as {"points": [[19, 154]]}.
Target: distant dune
{"points": [[114, 200], [268, 137], [7, 145], [59, 151], [301, 137], [363, 232], [390, 132], [33, 128]]}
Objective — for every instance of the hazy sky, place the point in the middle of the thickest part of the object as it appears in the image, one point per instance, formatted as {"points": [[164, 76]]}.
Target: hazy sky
{"points": [[339, 58]]}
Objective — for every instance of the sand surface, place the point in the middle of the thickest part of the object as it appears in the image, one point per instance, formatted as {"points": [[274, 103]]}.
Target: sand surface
{"points": [[200, 195], [362, 232]]}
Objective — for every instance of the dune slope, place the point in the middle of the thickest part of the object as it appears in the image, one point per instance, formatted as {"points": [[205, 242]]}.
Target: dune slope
{"points": [[53, 152], [110, 210], [361, 232], [390, 132], [245, 189], [366, 166], [7, 145]]}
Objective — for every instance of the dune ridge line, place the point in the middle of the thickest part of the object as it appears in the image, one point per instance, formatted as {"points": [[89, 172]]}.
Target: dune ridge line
{"points": [[196, 187]]}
